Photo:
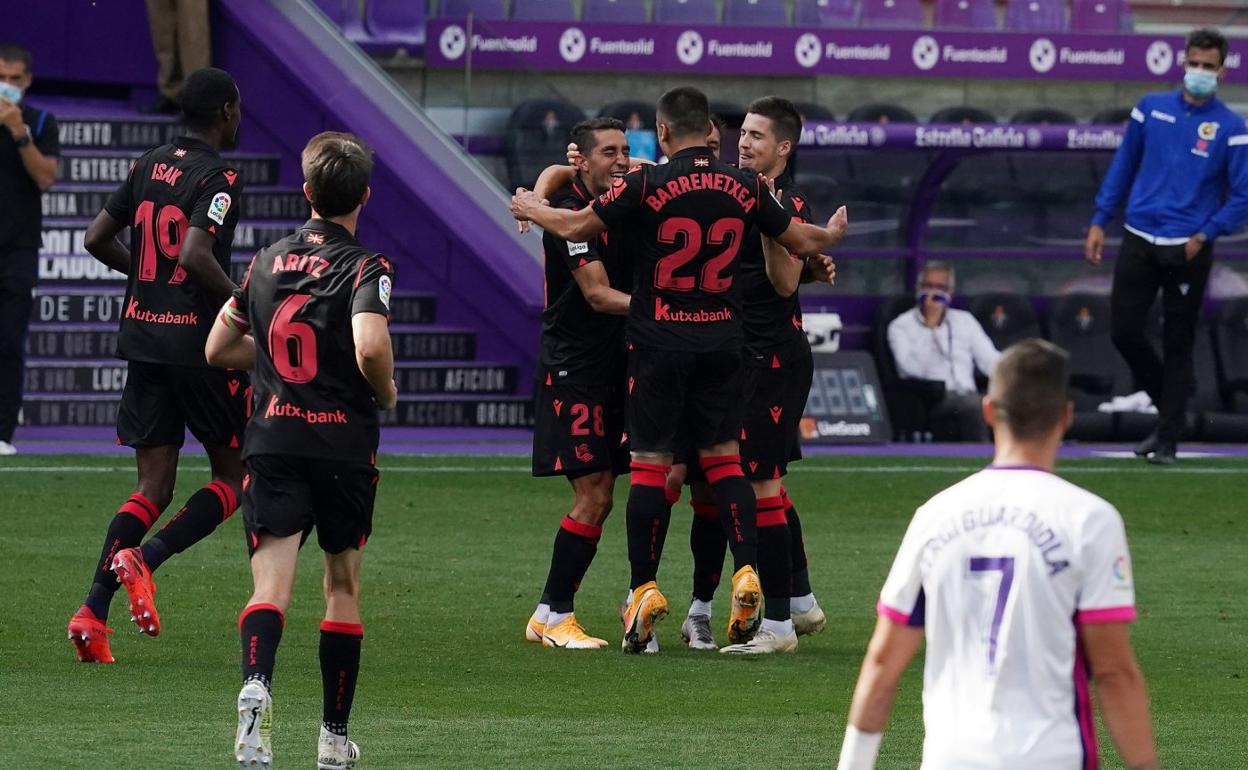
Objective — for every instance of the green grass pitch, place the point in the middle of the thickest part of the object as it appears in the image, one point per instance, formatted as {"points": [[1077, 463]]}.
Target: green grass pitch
{"points": [[458, 557]]}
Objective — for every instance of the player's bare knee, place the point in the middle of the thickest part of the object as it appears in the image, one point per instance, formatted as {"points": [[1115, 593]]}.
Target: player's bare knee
{"points": [[676, 476], [159, 491]]}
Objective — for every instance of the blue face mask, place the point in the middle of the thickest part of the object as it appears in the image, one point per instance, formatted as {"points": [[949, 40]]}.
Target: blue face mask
{"points": [[11, 92], [1200, 82]]}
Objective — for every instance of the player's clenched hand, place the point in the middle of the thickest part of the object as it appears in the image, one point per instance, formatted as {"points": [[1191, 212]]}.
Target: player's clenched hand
{"points": [[822, 269], [524, 202], [574, 154], [838, 225], [771, 185], [390, 398], [1094, 246]]}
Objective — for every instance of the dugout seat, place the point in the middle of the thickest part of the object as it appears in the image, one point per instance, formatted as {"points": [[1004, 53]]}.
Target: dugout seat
{"points": [[543, 10], [1007, 318], [625, 11], [1230, 334], [910, 401], [812, 111], [964, 114], [1113, 116], [685, 12], [892, 13], [485, 10], [622, 110], [345, 14], [966, 14], [755, 13], [1079, 323], [881, 113], [537, 137], [1035, 15], [733, 115], [396, 22], [826, 13], [1043, 115]]}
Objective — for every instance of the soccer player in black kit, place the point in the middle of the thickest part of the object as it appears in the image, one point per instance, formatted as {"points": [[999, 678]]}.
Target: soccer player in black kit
{"points": [[312, 322], [181, 201], [579, 402], [684, 327]]}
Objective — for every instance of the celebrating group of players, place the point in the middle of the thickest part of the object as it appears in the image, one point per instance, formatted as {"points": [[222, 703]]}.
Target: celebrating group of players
{"points": [[311, 322], [671, 332]]}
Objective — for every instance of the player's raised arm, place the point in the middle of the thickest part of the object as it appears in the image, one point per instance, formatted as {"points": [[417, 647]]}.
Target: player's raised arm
{"points": [[230, 344], [570, 225], [1120, 692], [101, 241], [802, 238]]}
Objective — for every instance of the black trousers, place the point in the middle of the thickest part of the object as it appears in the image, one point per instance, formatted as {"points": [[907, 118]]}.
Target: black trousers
{"points": [[1143, 268], [18, 270]]}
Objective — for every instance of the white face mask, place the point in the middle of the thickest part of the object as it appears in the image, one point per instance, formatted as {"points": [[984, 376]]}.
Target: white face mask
{"points": [[11, 92]]}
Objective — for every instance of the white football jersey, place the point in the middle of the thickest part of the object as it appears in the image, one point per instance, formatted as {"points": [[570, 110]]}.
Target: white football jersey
{"points": [[1001, 569]]}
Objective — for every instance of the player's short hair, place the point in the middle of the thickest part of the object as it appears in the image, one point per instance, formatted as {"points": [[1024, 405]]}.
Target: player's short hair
{"points": [[1028, 388], [203, 95], [12, 52], [719, 123], [336, 167], [1206, 38], [585, 134], [936, 264], [685, 110], [786, 121]]}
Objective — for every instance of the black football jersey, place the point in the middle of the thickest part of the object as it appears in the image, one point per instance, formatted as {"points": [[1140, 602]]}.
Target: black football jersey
{"points": [[310, 398], [577, 340], [690, 216], [772, 322], [166, 317]]}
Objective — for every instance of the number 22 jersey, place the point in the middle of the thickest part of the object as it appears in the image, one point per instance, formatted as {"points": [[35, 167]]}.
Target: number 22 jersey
{"points": [[166, 316], [1001, 570], [298, 299]]}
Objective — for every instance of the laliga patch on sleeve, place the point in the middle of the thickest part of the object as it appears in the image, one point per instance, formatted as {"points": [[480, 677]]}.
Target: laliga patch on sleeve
{"points": [[577, 248], [383, 290], [218, 208]]}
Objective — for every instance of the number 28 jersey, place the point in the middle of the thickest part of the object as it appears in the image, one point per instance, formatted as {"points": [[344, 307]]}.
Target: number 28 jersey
{"points": [[166, 316], [690, 217], [1001, 570], [298, 299]]}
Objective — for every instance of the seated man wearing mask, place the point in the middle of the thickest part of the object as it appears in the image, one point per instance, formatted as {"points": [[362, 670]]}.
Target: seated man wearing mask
{"points": [[933, 341]]}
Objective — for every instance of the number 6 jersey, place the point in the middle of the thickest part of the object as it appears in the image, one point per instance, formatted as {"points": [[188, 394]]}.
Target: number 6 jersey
{"points": [[298, 299], [1001, 570], [171, 188]]}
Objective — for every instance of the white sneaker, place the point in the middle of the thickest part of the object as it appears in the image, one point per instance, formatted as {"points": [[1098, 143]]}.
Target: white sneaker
{"points": [[253, 744], [765, 642], [812, 621], [7, 449], [334, 752], [696, 631]]}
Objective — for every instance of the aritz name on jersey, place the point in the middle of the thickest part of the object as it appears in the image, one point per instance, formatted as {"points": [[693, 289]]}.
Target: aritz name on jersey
{"points": [[152, 317], [1039, 533], [304, 263], [287, 409], [697, 182], [664, 312]]}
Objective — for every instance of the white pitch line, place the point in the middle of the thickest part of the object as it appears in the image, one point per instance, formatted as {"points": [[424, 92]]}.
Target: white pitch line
{"points": [[869, 469]]}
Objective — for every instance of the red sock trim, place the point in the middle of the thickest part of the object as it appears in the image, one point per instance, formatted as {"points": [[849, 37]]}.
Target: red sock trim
{"points": [[350, 629], [673, 495], [719, 468], [250, 608], [645, 475], [704, 510], [140, 508], [784, 498], [771, 512], [229, 501], [580, 528]]}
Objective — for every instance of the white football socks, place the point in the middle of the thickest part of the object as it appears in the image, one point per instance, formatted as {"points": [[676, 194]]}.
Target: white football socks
{"points": [[555, 618], [699, 607], [802, 603], [542, 613]]}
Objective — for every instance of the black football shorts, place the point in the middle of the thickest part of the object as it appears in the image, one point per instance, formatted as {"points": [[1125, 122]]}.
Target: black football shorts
{"points": [[285, 495], [161, 401], [578, 429], [681, 399], [774, 402]]}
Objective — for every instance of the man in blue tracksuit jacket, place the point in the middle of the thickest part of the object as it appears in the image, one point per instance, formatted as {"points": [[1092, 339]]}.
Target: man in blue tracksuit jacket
{"points": [[1184, 161]]}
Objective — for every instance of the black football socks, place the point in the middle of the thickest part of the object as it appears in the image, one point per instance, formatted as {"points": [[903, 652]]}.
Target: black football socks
{"points": [[260, 629], [738, 511], [576, 543], [204, 511], [135, 517], [774, 562], [340, 667]]}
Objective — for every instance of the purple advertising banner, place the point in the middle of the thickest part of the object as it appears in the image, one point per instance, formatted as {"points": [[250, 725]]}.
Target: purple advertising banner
{"points": [[933, 136], [795, 51]]}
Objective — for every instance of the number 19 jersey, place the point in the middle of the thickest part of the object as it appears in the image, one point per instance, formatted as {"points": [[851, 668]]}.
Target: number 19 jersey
{"points": [[690, 216], [1001, 570], [166, 316], [298, 299]]}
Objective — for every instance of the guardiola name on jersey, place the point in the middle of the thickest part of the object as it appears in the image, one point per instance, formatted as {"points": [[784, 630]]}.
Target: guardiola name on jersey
{"points": [[299, 296], [166, 316]]}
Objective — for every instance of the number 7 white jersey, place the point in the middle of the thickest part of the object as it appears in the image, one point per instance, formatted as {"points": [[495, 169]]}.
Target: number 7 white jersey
{"points": [[1001, 569]]}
